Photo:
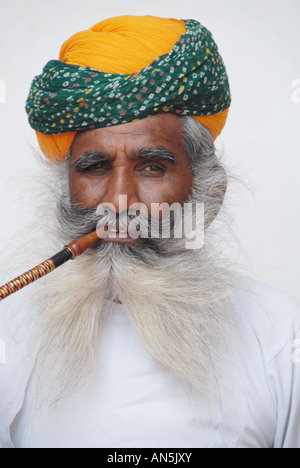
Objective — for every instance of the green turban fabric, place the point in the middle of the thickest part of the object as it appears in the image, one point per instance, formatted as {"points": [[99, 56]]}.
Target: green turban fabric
{"points": [[189, 81]]}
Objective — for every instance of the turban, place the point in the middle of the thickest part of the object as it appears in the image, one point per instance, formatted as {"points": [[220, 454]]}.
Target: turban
{"points": [[125, 69]]}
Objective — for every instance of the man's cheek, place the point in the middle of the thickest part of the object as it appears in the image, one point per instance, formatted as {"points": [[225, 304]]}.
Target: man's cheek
{"points": [[161, 192], [84, 193]]}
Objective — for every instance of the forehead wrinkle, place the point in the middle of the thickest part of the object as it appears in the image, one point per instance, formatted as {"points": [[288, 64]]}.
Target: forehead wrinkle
{"points": [[160, 152]]}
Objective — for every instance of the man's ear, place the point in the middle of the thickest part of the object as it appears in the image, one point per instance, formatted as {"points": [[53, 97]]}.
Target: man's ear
{"points": [[216, 197]]}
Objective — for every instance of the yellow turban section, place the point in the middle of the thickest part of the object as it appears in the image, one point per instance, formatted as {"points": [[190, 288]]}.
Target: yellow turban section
{"points": [[121, 45]]}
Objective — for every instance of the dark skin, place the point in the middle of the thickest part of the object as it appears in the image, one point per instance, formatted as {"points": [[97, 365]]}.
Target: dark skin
{"points": [[145, 181], [144, 160]]}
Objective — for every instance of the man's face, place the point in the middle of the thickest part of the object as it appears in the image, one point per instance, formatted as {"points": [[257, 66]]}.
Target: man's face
{"points": [[144, 160], [158, 280]]}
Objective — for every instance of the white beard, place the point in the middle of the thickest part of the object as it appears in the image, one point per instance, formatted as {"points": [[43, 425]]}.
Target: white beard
{"points": [[180, 310], [178, 302]]}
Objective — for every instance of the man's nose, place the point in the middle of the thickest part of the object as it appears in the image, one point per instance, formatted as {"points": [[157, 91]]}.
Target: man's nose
{"points": [[121, 190]]}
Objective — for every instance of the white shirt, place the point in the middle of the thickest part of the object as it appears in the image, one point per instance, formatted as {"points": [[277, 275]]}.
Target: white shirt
{"points": [[134, 402]]}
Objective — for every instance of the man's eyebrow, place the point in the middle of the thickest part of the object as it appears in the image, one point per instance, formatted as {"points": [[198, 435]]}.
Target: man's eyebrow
{"points": [[160, 153], [90, 159]]}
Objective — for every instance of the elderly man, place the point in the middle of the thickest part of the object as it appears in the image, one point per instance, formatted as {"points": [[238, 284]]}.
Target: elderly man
{"points": [[143, 342]]}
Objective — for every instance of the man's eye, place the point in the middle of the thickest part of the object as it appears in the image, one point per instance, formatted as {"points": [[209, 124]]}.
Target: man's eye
{"points": [[153, 168], [99, 168]]}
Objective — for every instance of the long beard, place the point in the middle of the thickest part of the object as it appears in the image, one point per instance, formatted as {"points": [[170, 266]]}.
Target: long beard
{"points": [[178, 301]]}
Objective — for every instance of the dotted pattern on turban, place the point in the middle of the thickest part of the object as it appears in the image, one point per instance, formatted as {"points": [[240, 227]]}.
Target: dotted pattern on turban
{"points": [[190, 79]]}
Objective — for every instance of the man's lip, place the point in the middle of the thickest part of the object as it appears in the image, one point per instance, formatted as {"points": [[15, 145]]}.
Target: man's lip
{"points": [[118, 231], [114, 234], [121, 240], [116, 228]]}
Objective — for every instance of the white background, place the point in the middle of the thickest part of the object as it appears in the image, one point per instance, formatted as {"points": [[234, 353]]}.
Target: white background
{"points": [[260, 43]]}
